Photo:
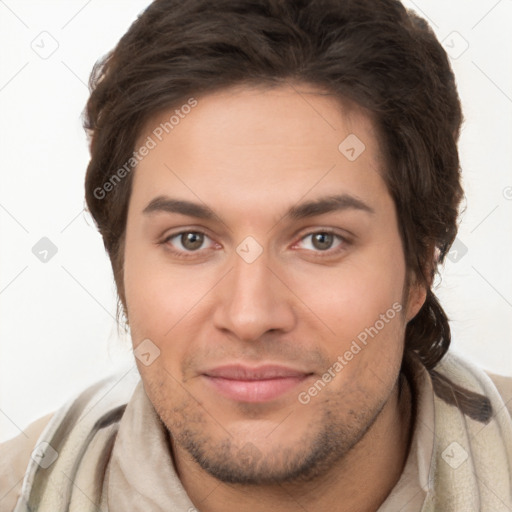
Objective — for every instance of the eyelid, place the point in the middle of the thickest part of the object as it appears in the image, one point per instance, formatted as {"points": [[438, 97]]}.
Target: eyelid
{"points": [[343, 238], [165, 241], [181, 230]]}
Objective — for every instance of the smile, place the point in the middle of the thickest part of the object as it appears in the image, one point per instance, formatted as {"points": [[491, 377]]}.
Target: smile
{"points": [[254, 385]]}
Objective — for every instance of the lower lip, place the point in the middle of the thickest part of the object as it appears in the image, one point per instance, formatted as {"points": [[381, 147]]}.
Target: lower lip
{"points": [[254, 391]]}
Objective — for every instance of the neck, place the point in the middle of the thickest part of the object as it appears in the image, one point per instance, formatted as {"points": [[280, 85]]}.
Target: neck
{"points": [[361, 480]]}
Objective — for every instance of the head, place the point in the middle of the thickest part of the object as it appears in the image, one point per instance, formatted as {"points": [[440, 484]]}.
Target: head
{"points": [[269, 195]]}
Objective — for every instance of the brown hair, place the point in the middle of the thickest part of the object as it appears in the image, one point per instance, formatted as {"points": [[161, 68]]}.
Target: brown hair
{"points": [[371, 52]]}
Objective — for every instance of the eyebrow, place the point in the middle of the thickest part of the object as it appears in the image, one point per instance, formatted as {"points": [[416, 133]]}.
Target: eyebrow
{"points": [[328, 204], [304, 210], [169, 205]]}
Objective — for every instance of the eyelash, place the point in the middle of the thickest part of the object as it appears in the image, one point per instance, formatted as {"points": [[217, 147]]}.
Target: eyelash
{"points": [[343, 242], [179, 253]]}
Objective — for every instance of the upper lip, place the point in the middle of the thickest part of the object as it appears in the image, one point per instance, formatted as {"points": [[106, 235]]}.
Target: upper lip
{"points": [[243, 372]]}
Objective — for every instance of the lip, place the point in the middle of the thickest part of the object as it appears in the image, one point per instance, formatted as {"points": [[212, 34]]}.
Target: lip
{"points": [[254, 384]]}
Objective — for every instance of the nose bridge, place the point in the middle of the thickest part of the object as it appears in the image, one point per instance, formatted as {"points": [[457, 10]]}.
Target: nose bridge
{"points": [[251, 279], [252, 300], [251, 287]]}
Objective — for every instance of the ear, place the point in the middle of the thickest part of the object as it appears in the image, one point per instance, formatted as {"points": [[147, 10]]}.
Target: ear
{"points": [[417, 295]]}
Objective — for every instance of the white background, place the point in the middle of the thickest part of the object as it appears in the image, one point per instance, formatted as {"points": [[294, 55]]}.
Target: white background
{"points": [[57, 319]]}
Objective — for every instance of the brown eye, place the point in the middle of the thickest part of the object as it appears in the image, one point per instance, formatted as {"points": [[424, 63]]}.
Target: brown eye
{"points": [[192, 241], [322, 241]]}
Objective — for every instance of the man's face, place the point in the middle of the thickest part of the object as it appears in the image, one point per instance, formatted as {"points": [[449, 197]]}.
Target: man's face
{"points": [[296, 274]]}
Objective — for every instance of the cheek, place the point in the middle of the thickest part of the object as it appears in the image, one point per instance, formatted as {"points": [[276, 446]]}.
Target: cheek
{"points": [[164, 304], [155, 294], [361, 303], [352, 296], [149, 300]]}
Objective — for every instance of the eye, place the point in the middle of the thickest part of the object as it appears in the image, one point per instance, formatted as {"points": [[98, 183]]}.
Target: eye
{"points": [[188, 241], [321, 241]]}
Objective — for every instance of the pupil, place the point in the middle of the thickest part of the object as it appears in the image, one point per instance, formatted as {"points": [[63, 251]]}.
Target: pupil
{"points": [[322, 240], [192, 241]]}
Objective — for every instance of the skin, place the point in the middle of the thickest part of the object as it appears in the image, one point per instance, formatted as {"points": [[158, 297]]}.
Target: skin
{"points": [[249, 155]]}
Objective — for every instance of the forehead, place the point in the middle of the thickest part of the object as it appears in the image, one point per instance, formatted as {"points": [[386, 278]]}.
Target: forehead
{"points": [[251, 142]]}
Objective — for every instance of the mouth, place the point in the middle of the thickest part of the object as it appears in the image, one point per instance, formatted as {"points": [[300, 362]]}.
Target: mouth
{"points": [[254, 385]]}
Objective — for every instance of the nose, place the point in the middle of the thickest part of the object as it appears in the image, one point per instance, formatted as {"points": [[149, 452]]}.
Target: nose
{"points": [[252, 301]]}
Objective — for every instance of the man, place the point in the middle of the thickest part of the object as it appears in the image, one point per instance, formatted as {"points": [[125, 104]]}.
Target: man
{"points": [[276, 183]]}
